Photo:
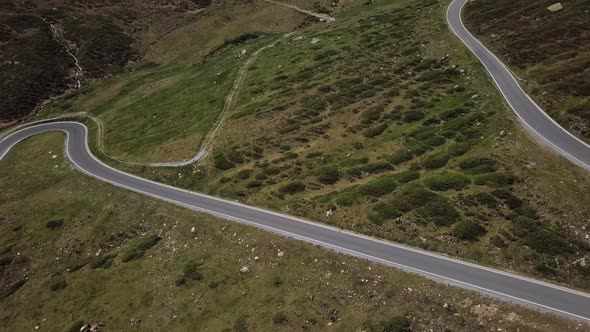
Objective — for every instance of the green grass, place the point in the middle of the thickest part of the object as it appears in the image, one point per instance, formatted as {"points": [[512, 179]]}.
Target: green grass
{"points": [[104, 221]]}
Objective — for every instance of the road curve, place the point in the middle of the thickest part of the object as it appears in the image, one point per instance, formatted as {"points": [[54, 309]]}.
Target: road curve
{"points": [[529, 113], [493, 282]]}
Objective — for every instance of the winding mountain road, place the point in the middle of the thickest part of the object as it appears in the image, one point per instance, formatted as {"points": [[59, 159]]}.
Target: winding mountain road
{"points": [[529, 113], [522, 290]]}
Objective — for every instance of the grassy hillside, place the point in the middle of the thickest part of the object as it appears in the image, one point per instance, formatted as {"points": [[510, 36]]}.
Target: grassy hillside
{"points": [[77, 251], [550, 51], [384, 119]]}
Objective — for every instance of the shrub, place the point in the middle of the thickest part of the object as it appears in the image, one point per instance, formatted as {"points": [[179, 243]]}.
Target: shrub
{"points": [[447, 181], [244, 174], [328, 175], [5, 260], [289, 129], [346, 198], [510, 200], [546, 241], [400, 157], [412, 116], [254, 184], [394, 324], [375, 131], [54, 224], [58, 284], [478, 165], [469, 230], [103, 262], [191, 271], [440, 212], [383, 211], [458, 149], [412, 197], [139, 248], [280, 318], [221, 162], [277, 281], [495, 179], [378, 187], [180, 280], [406, 176], [498, 241], [484, 198], [371, 115], [436, 161], [234, 156], [292, 187]]}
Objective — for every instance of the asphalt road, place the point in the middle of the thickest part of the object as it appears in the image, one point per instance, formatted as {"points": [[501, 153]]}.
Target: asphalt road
{"points": [[530, 114], [493, 282], [489, 281]]}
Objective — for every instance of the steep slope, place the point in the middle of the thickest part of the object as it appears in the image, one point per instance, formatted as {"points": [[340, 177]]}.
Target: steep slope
{"points": [[549, 50]]}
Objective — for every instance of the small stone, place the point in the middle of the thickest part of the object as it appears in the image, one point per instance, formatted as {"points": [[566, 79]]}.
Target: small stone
{"points": [[315, 41], [193, 230], [245, 269], [555, 7], [281, 254]]}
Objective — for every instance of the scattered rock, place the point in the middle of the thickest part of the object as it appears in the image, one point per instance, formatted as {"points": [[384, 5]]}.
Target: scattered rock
{"points": [[298, 38], [193, 230], [243, 52], [135, 321], [245, 269], [256, 258], [315, 41], [329, 213], [555, 7], [281, 254]]}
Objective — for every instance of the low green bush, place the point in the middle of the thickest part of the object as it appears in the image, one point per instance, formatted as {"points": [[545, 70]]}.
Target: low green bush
{"points": [[469, 230], [412, 116], [221, 162], [292, 187], [5, 260], [383, 211], [254, 184], [400, 157], [138, 249], [406, 176], [377, 187], [447, 181], [440, 212], [436, 161], [458, 149], [280, 318], [412, 197], [394, 324], [486, 199], [346, 198], [478, 165], [58, 284], [191, 270], [495, 180], [54, 224], [546, 241], [328, 175], [103, 262], [375, 131], [510, 200]]}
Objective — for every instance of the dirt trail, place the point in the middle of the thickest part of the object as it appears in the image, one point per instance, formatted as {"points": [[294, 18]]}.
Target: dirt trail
{"points": [[321, 17]]}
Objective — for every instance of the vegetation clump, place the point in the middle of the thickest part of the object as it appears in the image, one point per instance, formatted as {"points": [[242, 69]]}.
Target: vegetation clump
{"points": [[138, 249], [469, 230], [447, 181]]}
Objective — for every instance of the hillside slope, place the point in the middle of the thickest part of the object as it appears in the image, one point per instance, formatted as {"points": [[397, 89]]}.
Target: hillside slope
{"points": [[550, 51]]}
